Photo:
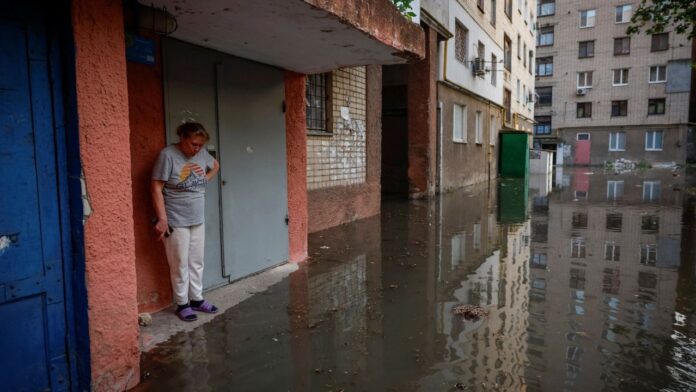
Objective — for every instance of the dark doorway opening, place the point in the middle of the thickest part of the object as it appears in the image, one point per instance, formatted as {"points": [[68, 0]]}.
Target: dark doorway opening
{"points": [[394, 130]]}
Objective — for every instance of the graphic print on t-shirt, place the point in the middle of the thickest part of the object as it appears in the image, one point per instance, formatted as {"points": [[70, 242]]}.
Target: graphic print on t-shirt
{"points": [[191, 177]]}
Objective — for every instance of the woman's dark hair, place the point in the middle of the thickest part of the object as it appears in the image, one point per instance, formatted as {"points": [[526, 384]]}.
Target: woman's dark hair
{"points": [[189, 129]]}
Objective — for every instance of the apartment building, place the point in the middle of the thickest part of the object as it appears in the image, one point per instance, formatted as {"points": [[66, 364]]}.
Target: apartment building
{"points": [[605, 95], [605, 255]]}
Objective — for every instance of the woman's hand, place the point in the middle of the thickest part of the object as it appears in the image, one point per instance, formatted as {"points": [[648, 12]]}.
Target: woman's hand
{"points": [[161, 228]]}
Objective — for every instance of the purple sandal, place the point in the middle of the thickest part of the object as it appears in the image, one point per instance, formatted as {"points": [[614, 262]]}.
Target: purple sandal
{"points": [[186, 314], [205, 307]]}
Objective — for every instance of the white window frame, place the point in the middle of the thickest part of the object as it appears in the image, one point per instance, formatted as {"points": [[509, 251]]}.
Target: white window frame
{"points": [[492, 131], [650, 139], [578, 248], [648, 254], [625, 14], [479, 127], [477, 236], [652, 190], [612, 245], [585, 74], [657, 74], [623, 77], [615, 190], [577, 136], [588, 19], [617, 141], [458, 249], [459, 122]]}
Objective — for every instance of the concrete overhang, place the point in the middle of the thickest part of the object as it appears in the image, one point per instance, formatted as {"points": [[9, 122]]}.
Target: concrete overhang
{"points": [[305, 36]]}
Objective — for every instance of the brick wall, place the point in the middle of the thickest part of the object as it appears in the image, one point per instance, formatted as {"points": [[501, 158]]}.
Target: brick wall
{"points": [[339, 157]]}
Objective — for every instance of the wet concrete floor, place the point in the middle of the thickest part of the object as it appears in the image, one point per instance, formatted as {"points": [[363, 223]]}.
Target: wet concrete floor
{"points": [[589, 286]]}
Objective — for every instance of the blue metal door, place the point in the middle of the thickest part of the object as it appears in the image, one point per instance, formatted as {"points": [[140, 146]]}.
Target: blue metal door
{"points": [[33, 338]]}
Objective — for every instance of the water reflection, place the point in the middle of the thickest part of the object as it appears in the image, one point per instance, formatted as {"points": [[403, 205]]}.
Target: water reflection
{"points": [[589, 286]]}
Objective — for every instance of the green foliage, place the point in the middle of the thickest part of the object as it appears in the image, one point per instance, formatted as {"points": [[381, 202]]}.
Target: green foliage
{"points": [[404, 6], [657, 15]]}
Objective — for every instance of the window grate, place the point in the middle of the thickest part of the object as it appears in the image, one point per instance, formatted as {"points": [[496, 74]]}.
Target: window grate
{"points": [[316, 102]]}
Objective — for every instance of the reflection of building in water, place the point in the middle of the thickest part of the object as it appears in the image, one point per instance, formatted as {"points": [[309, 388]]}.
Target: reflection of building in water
{"points": [[489, 271], [603, 279]]}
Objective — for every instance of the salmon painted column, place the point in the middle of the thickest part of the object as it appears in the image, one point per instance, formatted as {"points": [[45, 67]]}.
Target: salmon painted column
{"points": [[296, 140], [422, 139], [102, 105]]}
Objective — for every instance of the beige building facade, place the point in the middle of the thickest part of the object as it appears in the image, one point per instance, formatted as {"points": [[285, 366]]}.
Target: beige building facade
{"points": [[603, 95]]}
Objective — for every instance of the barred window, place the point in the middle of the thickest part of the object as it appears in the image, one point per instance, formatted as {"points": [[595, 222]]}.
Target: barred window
{"points": [[461, 44], [317, 87]]}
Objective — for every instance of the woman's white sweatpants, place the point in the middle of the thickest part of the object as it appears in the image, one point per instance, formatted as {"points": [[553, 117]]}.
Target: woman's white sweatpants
{"points": [[184, 248]]}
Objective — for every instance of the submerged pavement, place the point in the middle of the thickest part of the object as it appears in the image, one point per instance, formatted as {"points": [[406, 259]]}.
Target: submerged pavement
{"points": [[589, 287]]}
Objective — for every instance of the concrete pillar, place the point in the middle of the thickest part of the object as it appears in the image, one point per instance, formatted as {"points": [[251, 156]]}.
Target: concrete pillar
{"points": [[296, 140], [422, 119], [102, 106]]}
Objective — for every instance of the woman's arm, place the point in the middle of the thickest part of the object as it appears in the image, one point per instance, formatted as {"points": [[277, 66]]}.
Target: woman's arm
{"points": [[162, 225], [213, 172]]}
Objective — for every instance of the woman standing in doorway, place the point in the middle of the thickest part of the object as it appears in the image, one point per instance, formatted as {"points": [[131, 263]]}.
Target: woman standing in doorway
{"points": [[179, 178]]}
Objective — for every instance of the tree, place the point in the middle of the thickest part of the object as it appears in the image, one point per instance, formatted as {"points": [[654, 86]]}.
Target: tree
{"points": [[657, 15], [405, 7]]}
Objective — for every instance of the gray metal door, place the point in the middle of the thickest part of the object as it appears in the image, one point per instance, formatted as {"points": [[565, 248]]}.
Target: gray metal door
{"points": [[253, 166], [190, 95], [241, 104]]}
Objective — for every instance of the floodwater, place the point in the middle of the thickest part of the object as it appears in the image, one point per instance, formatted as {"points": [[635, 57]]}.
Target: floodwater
{"points": [[590, 286]]}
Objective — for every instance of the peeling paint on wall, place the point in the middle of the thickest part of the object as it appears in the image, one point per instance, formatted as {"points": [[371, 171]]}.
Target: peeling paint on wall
{"points": [[5, 243], [86, 205]]}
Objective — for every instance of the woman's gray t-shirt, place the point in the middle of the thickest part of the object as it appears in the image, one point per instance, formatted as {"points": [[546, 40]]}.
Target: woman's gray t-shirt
{"points": [[184, 184]]}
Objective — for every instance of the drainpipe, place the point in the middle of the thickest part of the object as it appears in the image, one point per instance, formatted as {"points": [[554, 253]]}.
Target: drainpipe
{"points": [[439, 147]]}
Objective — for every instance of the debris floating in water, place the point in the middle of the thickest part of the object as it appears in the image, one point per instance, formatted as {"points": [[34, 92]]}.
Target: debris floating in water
{"points": [[470, 312]]}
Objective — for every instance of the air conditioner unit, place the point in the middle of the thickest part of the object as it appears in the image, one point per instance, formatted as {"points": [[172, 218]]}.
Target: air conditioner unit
{"points": [[478, 67], [581, 91]]}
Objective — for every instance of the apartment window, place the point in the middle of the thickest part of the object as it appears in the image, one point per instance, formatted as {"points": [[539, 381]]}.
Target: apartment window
{"points": [[585, 49], [612, 252], [493, 12], [583, 136], [492, 132], [656, 106], [544, 66], [519, 46], [615, 190], [480, 5], [539, 260], [577, 279], [584, 110], [579, 220], [459, 123], [545, 96], [653, 141], [461, 43], [648, 254], [518, 91], [546, 7], [620, 77], [614, 222], [651, 190], [494, 70], [545, 36], [622, 46], [507, 52], [623, 13], [543, 125], [508, 9], [316, 95], [647, 280], [658, 74], [524, 57], [531, 61], [617, 141], [659, 42], [585, 79], [479, 127], [577, 248], [458, 247], [619, 108], [588, 18], [649, 224]]}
